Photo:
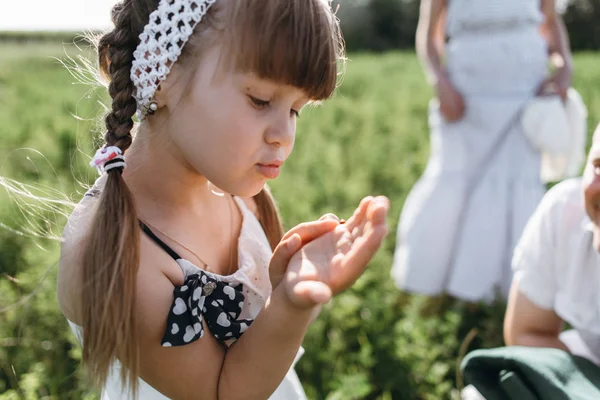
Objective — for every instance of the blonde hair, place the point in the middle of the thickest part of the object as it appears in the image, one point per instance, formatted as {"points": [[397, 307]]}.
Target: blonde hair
{"points": [[295, 42]]}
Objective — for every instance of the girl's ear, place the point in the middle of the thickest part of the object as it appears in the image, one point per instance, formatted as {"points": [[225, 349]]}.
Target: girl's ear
{"points": [[169, 90], [160, 96]]}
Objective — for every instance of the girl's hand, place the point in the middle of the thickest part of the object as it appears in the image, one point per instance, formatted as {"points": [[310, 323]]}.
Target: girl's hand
{"points": [[452, 104], [332, 262], [293, 240]]}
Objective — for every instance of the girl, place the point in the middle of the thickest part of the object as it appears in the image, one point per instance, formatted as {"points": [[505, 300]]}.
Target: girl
{"points": [[456, 234], [174, 291]]}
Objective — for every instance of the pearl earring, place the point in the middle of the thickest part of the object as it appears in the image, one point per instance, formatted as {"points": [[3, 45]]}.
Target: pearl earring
{"points": [[152, 107]]}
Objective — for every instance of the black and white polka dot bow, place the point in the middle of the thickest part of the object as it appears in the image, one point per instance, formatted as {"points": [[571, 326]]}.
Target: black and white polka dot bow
{"points": [[202, 295]]}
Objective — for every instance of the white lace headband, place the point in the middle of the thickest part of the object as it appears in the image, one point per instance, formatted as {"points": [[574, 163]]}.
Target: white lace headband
{"points": [[168, 30], [161, 42]]}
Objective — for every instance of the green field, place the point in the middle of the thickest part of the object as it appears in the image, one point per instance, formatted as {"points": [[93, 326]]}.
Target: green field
{"points": [[372, 342]]}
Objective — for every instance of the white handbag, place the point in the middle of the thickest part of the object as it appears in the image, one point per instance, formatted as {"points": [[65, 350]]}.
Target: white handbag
{"points": [[558, 131]]}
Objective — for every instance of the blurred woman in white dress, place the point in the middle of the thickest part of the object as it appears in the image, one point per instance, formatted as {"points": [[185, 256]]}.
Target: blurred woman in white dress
{"points": [[463, 217]]}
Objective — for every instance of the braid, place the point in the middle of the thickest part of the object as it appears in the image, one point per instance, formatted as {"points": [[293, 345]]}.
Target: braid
{"points": [[115, 57], [111, 250]]}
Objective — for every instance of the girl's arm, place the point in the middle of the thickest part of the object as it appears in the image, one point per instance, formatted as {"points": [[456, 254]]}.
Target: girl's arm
{"points": [[252, 368]]}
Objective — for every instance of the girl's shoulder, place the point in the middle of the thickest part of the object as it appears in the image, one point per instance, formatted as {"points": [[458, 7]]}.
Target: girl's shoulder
{"points": [[74, 234]]}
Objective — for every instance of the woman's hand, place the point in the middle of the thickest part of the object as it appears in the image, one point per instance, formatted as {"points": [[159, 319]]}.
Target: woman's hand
{"points": [[558, 83], [332, 262], [452, 104], [559, 51]]}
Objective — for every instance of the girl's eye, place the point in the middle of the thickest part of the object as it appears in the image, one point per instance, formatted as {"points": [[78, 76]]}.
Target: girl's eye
{"points": [[259, 103], [262, 104]]}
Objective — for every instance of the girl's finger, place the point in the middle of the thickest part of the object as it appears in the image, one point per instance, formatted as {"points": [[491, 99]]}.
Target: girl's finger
{"points": [[282, 256], [365, 246], [309, 231], [329, 216], [378, 210], [356, 260], [359, 214]]}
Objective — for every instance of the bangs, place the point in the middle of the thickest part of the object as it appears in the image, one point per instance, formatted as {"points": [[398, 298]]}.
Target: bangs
{"points": [[292, 42]]}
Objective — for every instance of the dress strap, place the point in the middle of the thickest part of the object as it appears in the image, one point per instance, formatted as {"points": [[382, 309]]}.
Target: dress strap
{"points": [[159, 242]]}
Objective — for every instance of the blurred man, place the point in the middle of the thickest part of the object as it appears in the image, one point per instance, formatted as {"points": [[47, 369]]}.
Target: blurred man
{"points": [[557, 269]]}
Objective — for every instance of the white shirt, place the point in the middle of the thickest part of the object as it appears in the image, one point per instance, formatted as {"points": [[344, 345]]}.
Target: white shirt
{"points": [[254, 254], [557, 266]]}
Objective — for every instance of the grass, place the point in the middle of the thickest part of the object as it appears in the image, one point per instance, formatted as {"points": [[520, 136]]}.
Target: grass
{"points": [[372, 342]]}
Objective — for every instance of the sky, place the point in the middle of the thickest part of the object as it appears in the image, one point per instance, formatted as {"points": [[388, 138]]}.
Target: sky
{"points": [[59, 15], [55, 15]]}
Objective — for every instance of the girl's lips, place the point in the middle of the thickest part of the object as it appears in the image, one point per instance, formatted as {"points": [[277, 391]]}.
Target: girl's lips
{"points": [[270, 171]]}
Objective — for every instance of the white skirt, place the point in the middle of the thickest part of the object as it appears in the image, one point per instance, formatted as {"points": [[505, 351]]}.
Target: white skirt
{"points": [[458, 237]]}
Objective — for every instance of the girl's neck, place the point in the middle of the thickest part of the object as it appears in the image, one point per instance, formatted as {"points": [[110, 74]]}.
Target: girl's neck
{"points": [[161, 183]]}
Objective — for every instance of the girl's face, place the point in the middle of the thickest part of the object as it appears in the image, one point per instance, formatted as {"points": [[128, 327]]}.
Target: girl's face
{"points": [[233, 128]]}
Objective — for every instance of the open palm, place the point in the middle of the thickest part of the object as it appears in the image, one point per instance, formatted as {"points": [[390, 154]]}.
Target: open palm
{"points": [[334, 261]]}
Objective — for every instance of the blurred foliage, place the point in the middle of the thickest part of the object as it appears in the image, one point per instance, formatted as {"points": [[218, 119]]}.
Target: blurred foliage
{"points": [[372, 342], [581, 18], [378, 25]]}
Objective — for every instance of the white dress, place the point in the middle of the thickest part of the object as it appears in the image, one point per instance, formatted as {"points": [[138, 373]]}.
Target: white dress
{"points": [[449, 241], [253, 273]]}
